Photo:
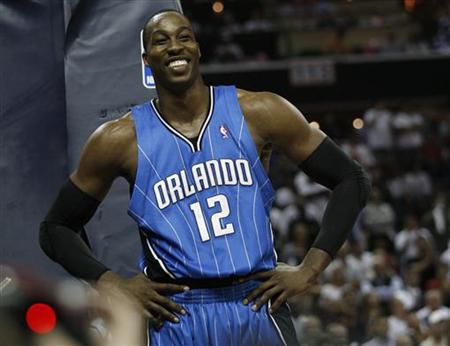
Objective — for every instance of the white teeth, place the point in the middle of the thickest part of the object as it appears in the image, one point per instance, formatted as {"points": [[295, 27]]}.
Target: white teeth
{"points": [[177, 63]]}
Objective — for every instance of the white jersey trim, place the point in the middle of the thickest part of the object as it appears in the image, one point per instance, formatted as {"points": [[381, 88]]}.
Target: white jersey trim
{"points": [[276, 325], [161, 263], [197, 147]]}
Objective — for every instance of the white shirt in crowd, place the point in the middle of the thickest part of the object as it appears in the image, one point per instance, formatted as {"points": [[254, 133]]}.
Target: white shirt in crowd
{"points": [[378, 127], [406, 241]]}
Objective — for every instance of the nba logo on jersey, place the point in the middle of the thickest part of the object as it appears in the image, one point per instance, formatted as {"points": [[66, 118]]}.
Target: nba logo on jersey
{"points": [[147, 74], [223, 131]]}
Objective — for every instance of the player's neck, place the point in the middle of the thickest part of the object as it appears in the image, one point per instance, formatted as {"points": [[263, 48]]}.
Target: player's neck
{"points": [[186, 105]]}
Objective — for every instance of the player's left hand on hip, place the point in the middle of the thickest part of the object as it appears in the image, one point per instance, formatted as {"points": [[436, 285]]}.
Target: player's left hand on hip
{"points": [[279, 284]]}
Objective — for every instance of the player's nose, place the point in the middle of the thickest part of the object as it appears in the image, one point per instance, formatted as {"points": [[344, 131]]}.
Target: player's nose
{"points": [[175, 47]]}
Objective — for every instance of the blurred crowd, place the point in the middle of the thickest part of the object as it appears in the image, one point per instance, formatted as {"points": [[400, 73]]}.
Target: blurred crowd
{"points": [[390, 283], [270, 30]]}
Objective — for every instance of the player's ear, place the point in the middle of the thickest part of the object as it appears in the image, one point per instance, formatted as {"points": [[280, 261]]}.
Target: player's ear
{"points": [[144, 59]]}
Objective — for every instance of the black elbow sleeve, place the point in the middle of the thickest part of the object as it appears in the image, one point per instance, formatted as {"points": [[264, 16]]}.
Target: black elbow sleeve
{"points": [[45, 240], [330, 166], [62, 236], [363, 181], [72, 207]]}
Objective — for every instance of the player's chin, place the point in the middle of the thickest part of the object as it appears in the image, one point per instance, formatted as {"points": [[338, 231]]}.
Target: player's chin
{"points": [[179, 82]]}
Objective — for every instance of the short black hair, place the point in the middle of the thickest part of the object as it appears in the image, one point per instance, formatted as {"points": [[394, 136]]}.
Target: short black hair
{"points": [[146, 32]]}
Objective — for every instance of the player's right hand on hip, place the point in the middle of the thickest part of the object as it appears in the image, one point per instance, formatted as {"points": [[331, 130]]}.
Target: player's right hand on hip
{"points": [[149, 296]]}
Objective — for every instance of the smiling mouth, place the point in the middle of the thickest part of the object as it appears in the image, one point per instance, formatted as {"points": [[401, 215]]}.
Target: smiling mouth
{"points": [[177, 63]]}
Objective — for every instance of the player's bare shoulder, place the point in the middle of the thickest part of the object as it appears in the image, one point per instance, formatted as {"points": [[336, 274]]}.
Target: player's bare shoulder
{"points": [[281, 123], [259, 110], [114, 136], [111, 149]]}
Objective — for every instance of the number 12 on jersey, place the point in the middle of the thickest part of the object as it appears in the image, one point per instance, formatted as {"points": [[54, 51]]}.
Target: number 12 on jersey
{"points": [[216, 218]]}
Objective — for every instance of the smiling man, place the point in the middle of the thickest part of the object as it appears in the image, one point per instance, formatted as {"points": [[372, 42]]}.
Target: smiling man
{"points": [[196, 159]]}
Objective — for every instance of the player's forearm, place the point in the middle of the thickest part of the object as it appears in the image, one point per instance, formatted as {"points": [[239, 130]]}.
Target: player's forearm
{"points": [[346, 202], [64, 246], [329, 166], [316, 260], [59, 234]]}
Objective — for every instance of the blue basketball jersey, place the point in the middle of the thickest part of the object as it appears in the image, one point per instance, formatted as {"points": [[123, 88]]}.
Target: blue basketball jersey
{"points": [[202, 208]]}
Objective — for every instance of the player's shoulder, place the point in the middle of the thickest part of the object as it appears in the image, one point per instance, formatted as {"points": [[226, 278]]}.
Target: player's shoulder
{"points": [[258, 109], [116, 132], [112, 141], [259, 102], [248, 96]]}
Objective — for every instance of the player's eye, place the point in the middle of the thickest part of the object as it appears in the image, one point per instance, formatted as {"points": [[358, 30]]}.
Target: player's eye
{"points": [[160, 41], [185, 37]]}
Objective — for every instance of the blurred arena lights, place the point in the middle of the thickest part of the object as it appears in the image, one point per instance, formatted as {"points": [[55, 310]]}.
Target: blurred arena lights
{"points": [[314, 125], [41, 318], [409, 5], [358, 123], [218, 7]]}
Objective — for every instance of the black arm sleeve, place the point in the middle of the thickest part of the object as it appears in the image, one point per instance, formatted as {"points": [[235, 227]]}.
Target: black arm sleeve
{"points": [[330, 166], [62, 236]]}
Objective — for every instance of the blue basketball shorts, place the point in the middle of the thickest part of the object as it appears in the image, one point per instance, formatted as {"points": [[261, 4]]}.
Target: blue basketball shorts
{"points": [[217, 316]]}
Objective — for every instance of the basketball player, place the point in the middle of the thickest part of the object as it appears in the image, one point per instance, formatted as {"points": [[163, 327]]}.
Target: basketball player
{"points": [[196, 158]]}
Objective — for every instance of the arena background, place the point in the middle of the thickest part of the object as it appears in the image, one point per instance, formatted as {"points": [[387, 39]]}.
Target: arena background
{"points": [[373, 74]]}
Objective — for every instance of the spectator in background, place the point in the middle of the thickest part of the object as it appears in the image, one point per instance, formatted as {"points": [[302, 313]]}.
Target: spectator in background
{"points": [[411, 286], [438, 218], [418, 187], [408, 124], [337, 335], [379, 331], [438, 335], [359, 262], [404, 340], [332, 292], [441, 281], [315, 196], [396, 186], [433, 302], [310, 332], [378, 217], [350, 312], [305, 305], [445, 257], [299, 243], [378, 127], [441, 41], [258, 21], [359, 151], [415, 245], [228, 50], [371, 311], [284, 212], [385, 282], [410, 189], [338, 300], [400, 322]]}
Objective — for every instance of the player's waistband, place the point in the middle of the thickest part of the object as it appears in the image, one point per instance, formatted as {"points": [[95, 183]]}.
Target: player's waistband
{"points": [[205, 283], [235, 291]]}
